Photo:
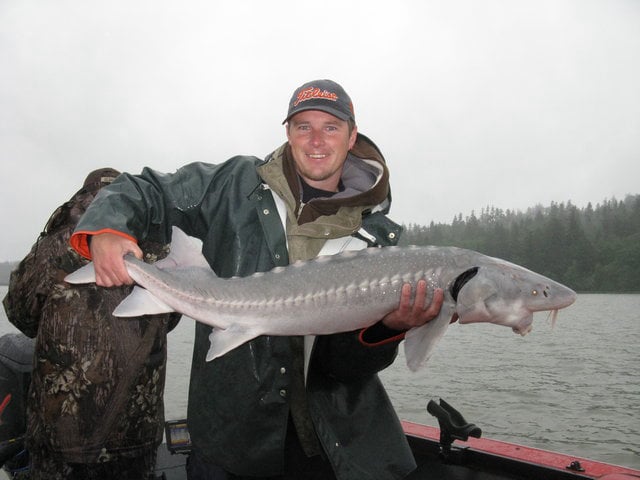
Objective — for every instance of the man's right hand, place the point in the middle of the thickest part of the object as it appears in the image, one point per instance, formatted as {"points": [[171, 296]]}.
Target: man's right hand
{"points": [[107, 252]]}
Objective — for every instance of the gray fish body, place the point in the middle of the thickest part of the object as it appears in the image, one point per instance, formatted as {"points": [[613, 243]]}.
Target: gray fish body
{"points": [[344, 292]]}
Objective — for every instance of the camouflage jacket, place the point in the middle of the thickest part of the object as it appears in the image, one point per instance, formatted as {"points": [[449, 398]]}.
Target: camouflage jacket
{"points": [[98, 381]]}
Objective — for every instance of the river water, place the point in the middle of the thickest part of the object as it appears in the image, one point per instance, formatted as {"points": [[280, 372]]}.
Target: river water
{"points": [[573, 388]]}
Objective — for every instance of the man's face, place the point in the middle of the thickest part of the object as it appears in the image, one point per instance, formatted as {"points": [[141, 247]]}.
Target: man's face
{"points": [[320, 143]]}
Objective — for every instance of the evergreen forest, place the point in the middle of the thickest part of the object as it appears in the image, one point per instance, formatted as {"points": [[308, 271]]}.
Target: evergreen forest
{"points": [[592, 249]]}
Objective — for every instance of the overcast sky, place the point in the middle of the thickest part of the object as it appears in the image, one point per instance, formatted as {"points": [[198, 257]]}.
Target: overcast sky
{"points": [[474, 103]]}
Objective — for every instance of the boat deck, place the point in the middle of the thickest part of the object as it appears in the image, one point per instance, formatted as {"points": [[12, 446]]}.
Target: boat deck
{"points": [[475, 459]]}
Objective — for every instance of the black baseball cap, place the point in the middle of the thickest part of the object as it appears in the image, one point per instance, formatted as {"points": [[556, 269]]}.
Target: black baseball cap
{"points": [[324, 95]]}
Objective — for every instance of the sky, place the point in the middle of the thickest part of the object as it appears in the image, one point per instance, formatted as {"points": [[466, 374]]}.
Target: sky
{"points": [[474, 103]]}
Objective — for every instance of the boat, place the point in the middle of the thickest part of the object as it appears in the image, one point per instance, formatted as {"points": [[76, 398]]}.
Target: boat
{"points": [[453, 451]]}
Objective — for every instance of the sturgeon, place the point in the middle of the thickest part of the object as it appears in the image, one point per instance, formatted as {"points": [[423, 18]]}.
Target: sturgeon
{"points": [[337, 293]]}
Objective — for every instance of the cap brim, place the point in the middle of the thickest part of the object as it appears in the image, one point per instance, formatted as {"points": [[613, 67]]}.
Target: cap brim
{"points": [[332, 111]]}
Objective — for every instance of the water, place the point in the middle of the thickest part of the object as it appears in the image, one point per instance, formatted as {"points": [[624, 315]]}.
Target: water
{"points": [[574, 388]]}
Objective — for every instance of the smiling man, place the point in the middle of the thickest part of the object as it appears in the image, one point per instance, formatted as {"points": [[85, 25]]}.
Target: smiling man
{"points": [[321, 130], [253, 413], [319, 145]]}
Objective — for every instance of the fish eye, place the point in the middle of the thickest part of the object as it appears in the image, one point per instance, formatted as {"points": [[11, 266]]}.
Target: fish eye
{"points": [[534, 292]]}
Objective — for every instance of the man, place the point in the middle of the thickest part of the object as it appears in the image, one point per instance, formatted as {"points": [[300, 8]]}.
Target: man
{"points": [[325, 190], [95, 404]]}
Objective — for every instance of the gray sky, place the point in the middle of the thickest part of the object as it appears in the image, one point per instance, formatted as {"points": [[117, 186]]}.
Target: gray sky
{"points": [[473, 102]]}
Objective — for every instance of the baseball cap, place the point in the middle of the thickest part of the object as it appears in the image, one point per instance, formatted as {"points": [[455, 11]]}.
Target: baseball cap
{"points": [[324, 95], [101, 177]]}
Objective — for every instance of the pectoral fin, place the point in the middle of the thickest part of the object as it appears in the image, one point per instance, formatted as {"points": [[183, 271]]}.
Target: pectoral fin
{"points": [[85, 274], [141, 302], [420, 342], [225, 340]]}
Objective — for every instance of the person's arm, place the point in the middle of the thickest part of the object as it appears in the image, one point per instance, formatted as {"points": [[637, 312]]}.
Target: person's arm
{"points": [[132, 207], [136, 208]]}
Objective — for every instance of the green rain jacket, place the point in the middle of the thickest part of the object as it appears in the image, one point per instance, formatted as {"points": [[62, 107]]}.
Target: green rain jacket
{"points": [[238, 403]]}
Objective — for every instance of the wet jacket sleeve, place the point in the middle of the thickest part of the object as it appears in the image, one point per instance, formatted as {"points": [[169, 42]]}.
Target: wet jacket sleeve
{"points": [[145, 206]]}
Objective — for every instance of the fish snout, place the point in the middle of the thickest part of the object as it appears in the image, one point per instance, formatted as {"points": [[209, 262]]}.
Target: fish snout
{"points": [[552, 296]]}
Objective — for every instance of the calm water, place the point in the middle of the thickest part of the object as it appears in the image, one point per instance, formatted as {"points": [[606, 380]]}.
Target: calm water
{"points": [[574, 388]]}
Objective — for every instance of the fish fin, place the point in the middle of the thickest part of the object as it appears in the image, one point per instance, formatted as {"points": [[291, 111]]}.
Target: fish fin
{"points": [[141, 302], [185, 251], [420, 342], [309, 342], [85, 274], [225, 340]]}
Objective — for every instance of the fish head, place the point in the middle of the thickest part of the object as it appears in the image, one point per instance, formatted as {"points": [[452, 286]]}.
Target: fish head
{"points": [[506, 294]]}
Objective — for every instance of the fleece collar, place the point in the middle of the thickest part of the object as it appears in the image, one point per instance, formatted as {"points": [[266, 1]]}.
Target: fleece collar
{"points": [[365, 178]]}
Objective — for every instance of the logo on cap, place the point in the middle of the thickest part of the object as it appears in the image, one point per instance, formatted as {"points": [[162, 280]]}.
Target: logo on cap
{"points": [[314, 92]]}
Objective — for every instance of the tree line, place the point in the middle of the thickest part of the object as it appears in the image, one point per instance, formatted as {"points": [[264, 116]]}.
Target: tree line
{"points": [[591, 249]]}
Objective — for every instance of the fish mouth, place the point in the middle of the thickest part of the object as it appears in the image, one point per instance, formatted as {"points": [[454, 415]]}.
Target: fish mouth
{"points": [[523, 329], [522, 325]]}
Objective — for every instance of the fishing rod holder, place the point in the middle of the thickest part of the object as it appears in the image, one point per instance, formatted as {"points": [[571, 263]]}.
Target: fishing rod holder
{"points": [[453, 427]]}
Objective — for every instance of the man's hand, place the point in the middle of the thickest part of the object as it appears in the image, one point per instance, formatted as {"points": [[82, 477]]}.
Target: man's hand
{"points": [[107, 252], [409, 315]]}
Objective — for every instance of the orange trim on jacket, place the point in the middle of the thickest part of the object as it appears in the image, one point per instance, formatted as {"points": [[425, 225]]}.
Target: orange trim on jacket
{"points": [[80, 240], [396, 338]]}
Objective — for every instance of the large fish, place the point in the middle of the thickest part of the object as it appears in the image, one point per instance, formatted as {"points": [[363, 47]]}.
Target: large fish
{"points": [[337, 293]]}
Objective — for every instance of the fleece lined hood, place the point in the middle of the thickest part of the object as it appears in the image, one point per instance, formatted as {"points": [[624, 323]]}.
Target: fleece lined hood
{"points": [[365, 179]]}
